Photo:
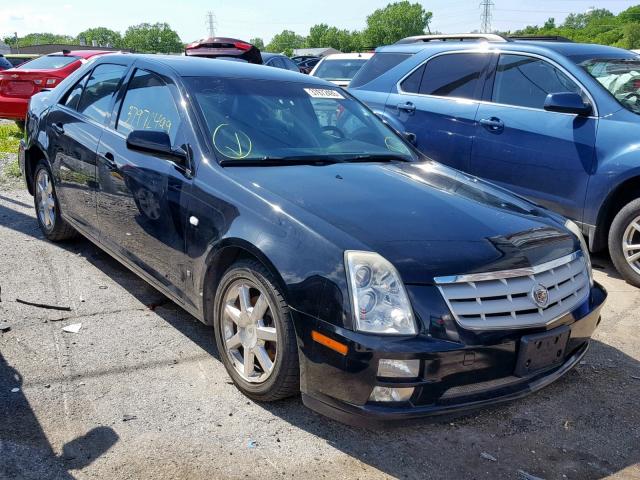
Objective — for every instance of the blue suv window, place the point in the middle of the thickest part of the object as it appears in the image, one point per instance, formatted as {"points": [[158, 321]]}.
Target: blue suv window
{"points": [[454, 75], [377, 65], [526, 81]]}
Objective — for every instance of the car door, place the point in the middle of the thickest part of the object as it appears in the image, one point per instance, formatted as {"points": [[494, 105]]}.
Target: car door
{"points": [[437, 102], [141, 201], [545, 156], [75, 126]]}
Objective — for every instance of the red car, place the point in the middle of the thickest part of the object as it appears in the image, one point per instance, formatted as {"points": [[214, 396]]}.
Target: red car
{"points": [[18, 84]]}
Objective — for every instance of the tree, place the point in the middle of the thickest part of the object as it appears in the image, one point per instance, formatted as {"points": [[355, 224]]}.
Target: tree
{"points": [[549, 24], [257, 42], [39, 39], [102, 36], [395, 21], [152, 38], [631, 35], [322, 35], [285, 41]]}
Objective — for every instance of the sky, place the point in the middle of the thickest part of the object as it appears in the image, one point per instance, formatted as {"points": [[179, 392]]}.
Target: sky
{"points": [[247, 19]]}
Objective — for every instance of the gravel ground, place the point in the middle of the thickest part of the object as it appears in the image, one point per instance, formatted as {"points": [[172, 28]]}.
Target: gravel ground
{"points": [[139, 392]]}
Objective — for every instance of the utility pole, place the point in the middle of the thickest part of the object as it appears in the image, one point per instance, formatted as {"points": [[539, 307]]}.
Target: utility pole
{"points": [[15, 35], [211, 24], [485, 16]]}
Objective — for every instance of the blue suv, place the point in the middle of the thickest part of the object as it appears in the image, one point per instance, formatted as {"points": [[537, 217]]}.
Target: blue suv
{"points": [[555, 121]]}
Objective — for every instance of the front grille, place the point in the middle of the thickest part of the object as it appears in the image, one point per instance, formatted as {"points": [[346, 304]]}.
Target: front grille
{"points": [[504, 299]]}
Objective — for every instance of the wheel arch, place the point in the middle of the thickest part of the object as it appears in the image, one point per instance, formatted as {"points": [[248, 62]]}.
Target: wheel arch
{"points": [[219, 259], [32, 156], [625, 192]]}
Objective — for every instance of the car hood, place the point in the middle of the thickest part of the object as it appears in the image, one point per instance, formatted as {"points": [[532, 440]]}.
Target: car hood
{"points": [[427, 219]]}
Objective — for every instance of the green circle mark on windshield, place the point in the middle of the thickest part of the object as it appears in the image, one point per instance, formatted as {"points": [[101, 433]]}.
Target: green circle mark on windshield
{"points": [[231, 142], [395, 145]]}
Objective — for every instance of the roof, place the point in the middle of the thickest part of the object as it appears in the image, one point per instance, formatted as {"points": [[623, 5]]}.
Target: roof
{"points": [[187, 66], [349, 56], [563, 48], [84, 53], [316, 52]]}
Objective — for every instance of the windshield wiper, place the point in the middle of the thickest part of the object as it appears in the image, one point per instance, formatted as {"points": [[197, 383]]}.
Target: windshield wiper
{"points": [[278, 161], [374, 157]]}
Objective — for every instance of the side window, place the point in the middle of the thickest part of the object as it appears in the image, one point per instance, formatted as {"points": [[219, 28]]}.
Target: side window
{"points": [[290, 65], [454, 75], [148, 105], [411, 84], [526, 81], [276, 62], [72, 97], [96, 97]]}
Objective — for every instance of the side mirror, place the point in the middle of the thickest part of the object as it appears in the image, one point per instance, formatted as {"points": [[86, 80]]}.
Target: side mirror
{"points": [[151, 141], [567, 102]]}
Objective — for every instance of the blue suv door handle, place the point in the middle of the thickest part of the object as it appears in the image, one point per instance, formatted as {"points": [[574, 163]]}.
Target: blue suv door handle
{"points": [[492, 124], [407, 107]]}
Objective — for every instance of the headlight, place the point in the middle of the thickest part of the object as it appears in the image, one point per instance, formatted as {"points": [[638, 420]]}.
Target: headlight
{"points": [[575, 229], [379, 300]]}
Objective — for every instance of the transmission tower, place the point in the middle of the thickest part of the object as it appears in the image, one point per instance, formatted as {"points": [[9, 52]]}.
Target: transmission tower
{"points": [[485, 16], [211, 24]]}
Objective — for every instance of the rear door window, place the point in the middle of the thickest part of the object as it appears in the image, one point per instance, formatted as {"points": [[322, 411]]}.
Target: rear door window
{"points": [[411, 84], [95, 101], [454, 75], [149, 105], [72, 97], [526, 81], [376, 66]]}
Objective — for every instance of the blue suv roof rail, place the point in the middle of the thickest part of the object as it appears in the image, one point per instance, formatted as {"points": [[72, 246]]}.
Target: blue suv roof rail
{"points": [[458, 37], [541, 38]]}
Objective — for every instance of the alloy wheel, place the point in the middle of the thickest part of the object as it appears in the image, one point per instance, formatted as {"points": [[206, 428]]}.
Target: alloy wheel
{"points": [[631, 244], [45, 200], [249, 331]]}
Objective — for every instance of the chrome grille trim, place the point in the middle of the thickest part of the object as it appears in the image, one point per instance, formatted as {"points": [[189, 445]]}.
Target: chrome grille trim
{"points": [[502, 300]]}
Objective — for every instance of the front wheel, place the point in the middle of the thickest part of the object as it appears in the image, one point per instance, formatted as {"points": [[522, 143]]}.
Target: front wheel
{"points": [[624, 242], [254, 333]]}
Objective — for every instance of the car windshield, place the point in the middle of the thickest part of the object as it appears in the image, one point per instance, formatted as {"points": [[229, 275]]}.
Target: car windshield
{"points": [[48, 62], [620, 76], [258, 120], [339, 69]]}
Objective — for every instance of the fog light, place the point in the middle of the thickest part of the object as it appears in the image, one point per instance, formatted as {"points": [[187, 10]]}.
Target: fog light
{"points": [[399, 368], [387, 394]]}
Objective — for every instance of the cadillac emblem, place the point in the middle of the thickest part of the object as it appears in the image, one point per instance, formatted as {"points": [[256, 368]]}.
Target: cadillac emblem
{"points": [[540, 296]]}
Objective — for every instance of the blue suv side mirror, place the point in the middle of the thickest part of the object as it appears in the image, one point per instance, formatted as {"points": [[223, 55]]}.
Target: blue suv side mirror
{"points": [[567, 102]]}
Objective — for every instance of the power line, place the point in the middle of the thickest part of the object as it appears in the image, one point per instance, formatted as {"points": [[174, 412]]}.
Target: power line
{"points": [[485, 16]]}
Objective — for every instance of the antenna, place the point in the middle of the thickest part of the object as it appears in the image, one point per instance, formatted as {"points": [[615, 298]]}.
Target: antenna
{"points": [[211, 24], [485, 16]]}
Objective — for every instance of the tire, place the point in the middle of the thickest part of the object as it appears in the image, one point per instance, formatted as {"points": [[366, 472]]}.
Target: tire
{"points": [[247, 334], [623, 233], [50, 222]]}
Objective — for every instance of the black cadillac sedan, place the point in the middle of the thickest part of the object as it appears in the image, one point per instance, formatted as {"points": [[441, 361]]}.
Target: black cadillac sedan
{"points": [[327, 254]]}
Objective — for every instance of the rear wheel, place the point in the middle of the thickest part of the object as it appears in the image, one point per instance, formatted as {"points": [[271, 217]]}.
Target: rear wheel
{"points": [[254, 333], [624, 242], [47, 207]]}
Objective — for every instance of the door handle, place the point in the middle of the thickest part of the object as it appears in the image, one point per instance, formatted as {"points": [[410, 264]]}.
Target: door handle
{"points": [[492, 124], [109, 161], [407, 107], [58, 128]]}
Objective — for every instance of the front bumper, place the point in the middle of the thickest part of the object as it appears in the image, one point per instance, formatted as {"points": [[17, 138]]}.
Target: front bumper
{"points": [[454, 377], [13, 108]]}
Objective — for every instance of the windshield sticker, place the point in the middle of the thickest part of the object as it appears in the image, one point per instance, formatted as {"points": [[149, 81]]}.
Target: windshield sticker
{"points": [[231, 142], [324, 93], [395, 145]]}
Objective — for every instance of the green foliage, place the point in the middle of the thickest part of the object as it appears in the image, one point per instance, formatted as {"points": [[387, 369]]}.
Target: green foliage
{"points": [[258, 42], [10, 136], [395, 21], [322, 35], [285, 41], [39, 39], [13, 169], [152, 38], [595, 26], [102, 36]]}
